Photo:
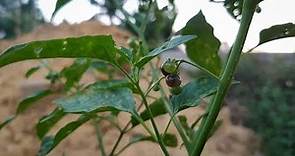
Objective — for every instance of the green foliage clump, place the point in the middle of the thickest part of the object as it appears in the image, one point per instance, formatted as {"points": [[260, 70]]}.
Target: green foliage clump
{"points": [[268, 92]]}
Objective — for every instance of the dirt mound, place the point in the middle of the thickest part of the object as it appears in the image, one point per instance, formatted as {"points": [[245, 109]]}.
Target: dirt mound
{"points": [[19, 138]]}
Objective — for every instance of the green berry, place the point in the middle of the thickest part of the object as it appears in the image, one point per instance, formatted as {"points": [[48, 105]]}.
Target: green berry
{"points": [[169, 67]]}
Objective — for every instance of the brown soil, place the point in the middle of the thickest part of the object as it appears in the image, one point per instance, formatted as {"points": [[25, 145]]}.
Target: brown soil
{"points": [[19, 138]]}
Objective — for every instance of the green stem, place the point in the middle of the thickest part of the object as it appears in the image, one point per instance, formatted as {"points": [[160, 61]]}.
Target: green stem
{"points": [[200, 67], [159, 138], [208, 121], [176, 123], [99, 138]]}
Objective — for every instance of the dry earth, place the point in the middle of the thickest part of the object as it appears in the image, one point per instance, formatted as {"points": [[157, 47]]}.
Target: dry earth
{"points": [[19, 139]]}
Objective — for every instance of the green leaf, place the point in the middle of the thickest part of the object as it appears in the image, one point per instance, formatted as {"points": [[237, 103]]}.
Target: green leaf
{"points": [[101, 96], [32, 71], [192, 93], [6, 121], [74, 72], [202, 50], [29, 101], [49, 143], [99, 47], [169, 140], [277, 32], [157, 107], [48, 121], [26, 104], [183, 121], [59, 4], [126, 54], [176, 41]]}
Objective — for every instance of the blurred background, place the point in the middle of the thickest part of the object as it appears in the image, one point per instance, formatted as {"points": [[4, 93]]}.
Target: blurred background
{"points": [[264, 101]]}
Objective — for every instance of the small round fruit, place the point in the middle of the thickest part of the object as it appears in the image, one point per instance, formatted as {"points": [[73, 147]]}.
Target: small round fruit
{"points": [[175, 90], [169, 67], [164, 72], [173, 80]]}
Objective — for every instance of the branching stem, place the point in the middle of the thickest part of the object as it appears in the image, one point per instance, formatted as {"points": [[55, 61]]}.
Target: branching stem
{"points": [[208, 121]]}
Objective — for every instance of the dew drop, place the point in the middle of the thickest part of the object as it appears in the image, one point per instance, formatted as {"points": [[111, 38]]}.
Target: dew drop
{"points": [[236, 3]]}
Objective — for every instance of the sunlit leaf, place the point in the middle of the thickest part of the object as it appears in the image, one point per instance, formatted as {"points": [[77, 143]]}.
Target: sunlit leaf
{"points": [[49, 143], [99, 47], [202, 50], [174, 42], [101, 96], [192, 93], [48, 121]]}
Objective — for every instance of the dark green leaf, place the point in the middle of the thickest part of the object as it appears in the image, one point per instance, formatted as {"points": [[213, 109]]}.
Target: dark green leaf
{"points": [[74, 72], [99, 47], [101, 96], [157, 107], [202, 50], [50, 143], [25, 104], [59, 4], [176, 41], [32, 71], [48, 121], [277, 32], [6, 121], [193, 92], [29, 101], [169, 140], [183, 121], [126, 54]]}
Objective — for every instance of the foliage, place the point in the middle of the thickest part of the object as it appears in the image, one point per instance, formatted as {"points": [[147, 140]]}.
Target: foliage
{"points": [[271, 104], [151, 26], [17, 17]]}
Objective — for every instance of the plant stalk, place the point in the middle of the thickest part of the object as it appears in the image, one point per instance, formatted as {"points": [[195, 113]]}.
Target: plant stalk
{"points": [[159, 138], [208, 121], [99, 138]]}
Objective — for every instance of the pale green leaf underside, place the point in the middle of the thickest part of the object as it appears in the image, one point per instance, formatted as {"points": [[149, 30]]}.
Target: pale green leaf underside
{"points": [[193, 92], [101, 96]]}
